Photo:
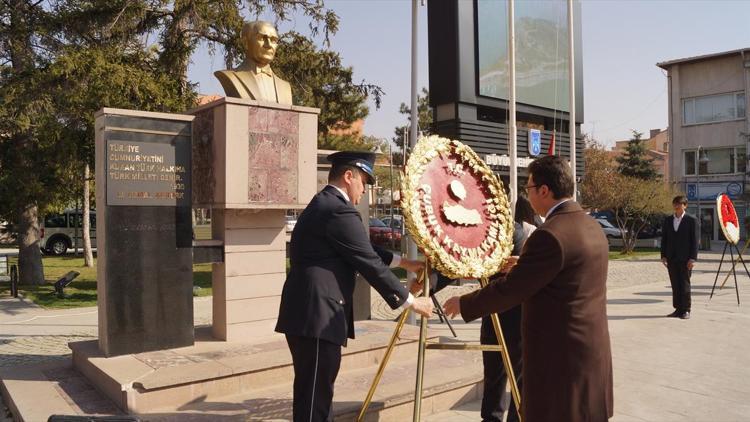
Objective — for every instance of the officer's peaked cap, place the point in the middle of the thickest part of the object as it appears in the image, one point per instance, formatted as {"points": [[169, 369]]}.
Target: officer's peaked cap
{"points": [[364, 161]]}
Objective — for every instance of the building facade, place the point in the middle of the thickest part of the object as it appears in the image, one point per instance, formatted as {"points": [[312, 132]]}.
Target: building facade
{"points": [[709, 132]]}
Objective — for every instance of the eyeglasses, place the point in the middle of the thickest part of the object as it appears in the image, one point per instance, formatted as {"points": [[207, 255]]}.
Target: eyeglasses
{"points": [[527, 187]]}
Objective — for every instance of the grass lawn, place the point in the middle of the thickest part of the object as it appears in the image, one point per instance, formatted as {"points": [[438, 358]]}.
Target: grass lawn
{"points": [[82, 291], [639, 253]]}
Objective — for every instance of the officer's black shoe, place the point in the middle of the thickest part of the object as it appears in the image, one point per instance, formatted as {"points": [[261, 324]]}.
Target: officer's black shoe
{"points": [[685, 315], [675, 314]]}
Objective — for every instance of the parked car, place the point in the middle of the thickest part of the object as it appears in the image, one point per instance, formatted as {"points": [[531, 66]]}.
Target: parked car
{"points": [[7, 234], [395, 223], [609, 230], [382, 235], [604, 215], [290, 222], [650, 230], [62, 231]]}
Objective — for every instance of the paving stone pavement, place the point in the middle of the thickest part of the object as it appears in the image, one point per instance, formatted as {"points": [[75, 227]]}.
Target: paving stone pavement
{"points": [[30, 334]]}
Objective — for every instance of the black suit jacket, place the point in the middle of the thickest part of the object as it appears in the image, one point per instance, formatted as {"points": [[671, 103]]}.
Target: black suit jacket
{"points": [[329, 244], [681, 245]]}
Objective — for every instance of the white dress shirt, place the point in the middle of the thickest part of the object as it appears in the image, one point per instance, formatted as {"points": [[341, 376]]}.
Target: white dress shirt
{"points": [[554, 207], [266, 84], [676, 221]]}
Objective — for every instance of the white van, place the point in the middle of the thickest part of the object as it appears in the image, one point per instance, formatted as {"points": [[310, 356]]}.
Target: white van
{"points": [[63, 231]]}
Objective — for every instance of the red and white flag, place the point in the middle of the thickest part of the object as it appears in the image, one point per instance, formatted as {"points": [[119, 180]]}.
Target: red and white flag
{"points": [[551, 150]]}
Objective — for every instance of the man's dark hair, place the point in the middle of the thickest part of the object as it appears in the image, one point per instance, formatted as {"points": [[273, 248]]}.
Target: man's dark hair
{"points": [[679, 199], [524, 211], [338, 170], [554, 172]]}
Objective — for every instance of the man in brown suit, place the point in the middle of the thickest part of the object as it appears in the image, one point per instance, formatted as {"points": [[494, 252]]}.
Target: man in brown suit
{"points": [[560, 278]]}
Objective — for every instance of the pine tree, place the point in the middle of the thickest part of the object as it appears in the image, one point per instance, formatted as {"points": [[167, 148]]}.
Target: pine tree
{"points": [[635, 162]]}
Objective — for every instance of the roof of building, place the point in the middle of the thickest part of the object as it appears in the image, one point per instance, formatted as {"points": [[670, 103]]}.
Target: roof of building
{"points": [[668, 63]]}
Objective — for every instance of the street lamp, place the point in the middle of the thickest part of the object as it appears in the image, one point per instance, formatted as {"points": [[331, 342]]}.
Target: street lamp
{"points": [[701, 160]]}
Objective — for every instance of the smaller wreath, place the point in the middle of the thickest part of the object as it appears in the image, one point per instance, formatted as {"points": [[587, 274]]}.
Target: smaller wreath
{"points": [[730, 224]]}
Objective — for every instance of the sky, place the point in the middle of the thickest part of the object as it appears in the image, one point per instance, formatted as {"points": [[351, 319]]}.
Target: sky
{"points": [[622, 41]]}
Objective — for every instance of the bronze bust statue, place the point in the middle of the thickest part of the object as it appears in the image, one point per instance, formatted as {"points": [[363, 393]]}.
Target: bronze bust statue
{"points": [[254, 78]]}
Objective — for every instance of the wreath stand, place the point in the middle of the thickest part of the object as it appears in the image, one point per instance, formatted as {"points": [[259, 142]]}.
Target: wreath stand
{"points": [[733, 272], [744, 248], [424, 344]]}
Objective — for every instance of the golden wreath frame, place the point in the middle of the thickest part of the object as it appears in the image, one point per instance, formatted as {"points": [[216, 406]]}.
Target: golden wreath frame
{"points": [[427, 149]]}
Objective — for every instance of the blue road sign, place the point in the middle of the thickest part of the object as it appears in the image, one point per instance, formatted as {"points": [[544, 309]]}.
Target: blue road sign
{"points": [[535, 142]]}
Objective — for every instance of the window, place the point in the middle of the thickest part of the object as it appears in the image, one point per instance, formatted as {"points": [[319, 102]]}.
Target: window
{"points": [[76, 219], [55, 221], [689, 162], [713, 108], [719, 161]]}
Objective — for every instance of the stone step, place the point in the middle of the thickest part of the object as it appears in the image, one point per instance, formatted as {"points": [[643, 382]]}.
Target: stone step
{"points": [[451, 378], [34, 392], [172, 378]]}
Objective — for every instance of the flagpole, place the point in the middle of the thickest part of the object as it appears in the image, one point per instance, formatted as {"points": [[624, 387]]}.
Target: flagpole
{"points": [[512, 135], [572, 104], [411, 251]]}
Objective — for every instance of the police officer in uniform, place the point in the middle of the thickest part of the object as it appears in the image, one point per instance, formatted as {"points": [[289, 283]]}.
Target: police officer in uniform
{"points": [[329, 244]]}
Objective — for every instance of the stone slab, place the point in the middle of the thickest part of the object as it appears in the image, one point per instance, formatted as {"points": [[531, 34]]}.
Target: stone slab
{"points": [[254, 155], [209, 369], [143, 190], [30, 395], [249, 286], [223, 220], [251, 263], [255, 240]]}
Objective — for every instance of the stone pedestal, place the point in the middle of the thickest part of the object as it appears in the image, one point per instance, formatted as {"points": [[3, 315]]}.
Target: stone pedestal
{"points": [[251, 162], [144, 270]]}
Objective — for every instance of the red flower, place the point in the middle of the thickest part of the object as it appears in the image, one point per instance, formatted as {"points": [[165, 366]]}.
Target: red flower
{"points": [[728, 215]]}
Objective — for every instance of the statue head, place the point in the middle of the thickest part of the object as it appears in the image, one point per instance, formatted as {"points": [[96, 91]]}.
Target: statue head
{"points": [[260, 39]]}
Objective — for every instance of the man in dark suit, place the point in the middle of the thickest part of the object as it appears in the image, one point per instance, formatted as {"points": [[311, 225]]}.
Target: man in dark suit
{"points": [[495, 400], [329, 244], [679, 250], [560, 277]]}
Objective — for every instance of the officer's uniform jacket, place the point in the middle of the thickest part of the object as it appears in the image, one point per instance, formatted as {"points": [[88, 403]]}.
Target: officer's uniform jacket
{"points": [[329, 244]]}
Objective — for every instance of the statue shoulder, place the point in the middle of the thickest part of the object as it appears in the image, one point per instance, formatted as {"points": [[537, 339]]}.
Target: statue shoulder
{"points": [[229, 81], [282, 82], [225, 74], [284, 91]]}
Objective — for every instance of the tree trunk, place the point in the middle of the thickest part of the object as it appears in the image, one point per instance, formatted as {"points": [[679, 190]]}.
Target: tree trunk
{"points": [[88, 256], [629, 243], [30, 270]]}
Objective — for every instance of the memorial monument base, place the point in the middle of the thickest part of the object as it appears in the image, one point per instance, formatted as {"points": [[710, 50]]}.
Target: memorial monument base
{"points": [[221, 379], [247, 285]]}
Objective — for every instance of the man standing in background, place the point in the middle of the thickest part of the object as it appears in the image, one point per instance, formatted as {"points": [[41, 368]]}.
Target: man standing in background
{"points": [[679, 251]]}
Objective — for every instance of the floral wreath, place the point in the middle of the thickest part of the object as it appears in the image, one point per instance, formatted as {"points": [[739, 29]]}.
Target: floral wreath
{"points": [[464, 232], [728, 218]]}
